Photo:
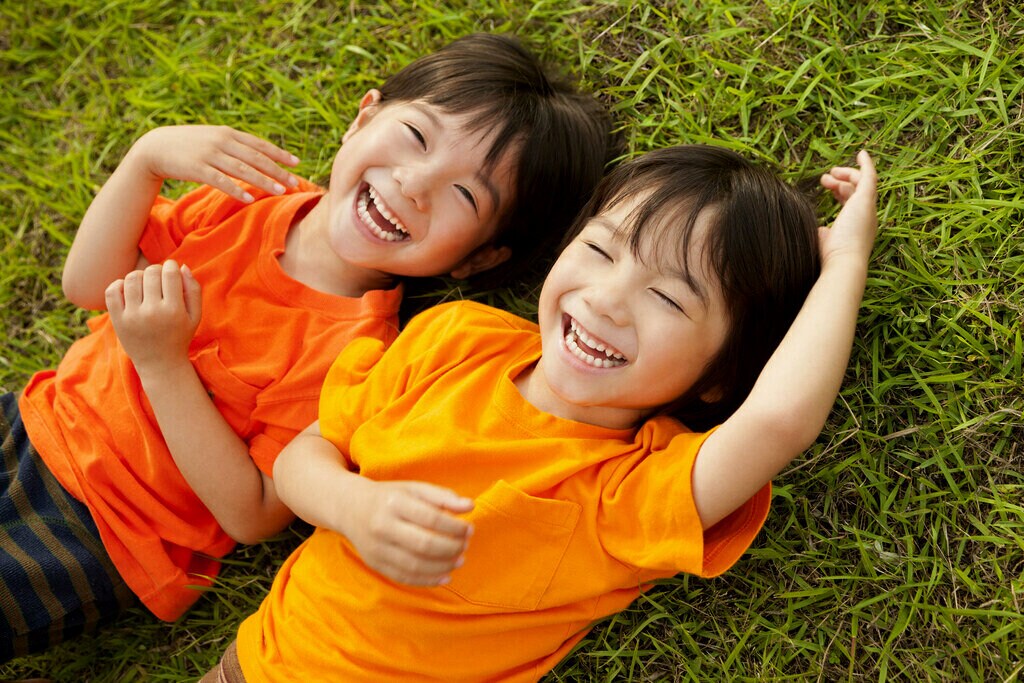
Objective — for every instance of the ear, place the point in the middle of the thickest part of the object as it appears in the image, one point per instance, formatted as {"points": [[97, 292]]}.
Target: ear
{"points": [[484, 258], [367, 108], [712, 395]]}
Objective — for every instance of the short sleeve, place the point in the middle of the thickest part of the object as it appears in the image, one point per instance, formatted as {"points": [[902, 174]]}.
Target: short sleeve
{"points": [[364, 379], [349, 397], [649, 518], [171, 220]]}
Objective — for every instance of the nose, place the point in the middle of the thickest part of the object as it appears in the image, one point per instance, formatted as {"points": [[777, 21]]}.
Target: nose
{"points": [[607, 296], [414, 182]]}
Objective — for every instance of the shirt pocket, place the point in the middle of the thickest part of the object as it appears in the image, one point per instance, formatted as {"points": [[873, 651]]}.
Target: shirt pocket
{"points": [[517, 544], [234, 398]]}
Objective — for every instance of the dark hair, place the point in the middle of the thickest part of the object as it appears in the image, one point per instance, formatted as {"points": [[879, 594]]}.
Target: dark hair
{"points": [[562, 137], [761, 243]]}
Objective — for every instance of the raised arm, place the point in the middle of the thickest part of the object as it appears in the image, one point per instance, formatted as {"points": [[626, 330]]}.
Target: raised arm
{"points": [[793, 396], [403, 529], [155, 313], [106, 246]]}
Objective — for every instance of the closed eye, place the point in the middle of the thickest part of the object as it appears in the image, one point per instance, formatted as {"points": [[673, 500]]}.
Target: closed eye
{"points": [[418, 135], [469, 197], [599, 250], [669, 301]]}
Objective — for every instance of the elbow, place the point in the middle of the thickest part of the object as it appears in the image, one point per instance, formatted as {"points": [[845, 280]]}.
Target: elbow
{"points": [[245, 536], [255, 531], [79, 293], [793, 432]]}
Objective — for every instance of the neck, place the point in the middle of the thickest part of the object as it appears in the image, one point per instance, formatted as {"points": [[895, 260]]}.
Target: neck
{"points": [[535, 390], [309, 259]]}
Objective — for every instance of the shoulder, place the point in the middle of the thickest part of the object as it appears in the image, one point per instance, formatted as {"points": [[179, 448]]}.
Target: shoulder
{"points": [[207, 205], [463, 329], [468, 315], [659, 432]]}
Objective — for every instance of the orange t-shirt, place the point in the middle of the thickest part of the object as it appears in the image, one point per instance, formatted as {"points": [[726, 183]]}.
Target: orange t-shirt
{"points": [[571, 520], [262, 349]]}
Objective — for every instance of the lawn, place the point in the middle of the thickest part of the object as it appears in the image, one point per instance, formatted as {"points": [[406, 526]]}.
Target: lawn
{"points": [[895, 546]]}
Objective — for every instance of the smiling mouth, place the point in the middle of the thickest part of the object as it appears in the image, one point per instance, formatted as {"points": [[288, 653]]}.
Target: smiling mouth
{"points": [[589, 349], [380, 219]]}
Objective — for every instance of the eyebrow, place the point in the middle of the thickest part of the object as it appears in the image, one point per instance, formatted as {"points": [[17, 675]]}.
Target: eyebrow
{"points": [[695, 285], [492, 190]]}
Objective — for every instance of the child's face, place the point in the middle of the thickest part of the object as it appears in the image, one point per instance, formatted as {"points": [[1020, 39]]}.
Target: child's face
{"points": [[410, 194], [622, 336]]}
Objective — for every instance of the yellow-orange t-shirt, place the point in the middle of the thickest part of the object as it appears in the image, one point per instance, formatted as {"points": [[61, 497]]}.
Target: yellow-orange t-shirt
{"points": [[571, 520], [262, 349]]}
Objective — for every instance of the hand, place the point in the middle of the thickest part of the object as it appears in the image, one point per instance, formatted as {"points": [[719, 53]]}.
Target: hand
{"points": [[406, 531], [217, 156], [155, 313], [854, 229]]}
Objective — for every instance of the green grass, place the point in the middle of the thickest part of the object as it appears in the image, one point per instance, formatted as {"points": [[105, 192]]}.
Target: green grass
{"points": [[895, 547]]}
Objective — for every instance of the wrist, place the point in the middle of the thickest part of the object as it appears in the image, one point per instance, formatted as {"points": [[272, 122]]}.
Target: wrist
{"points": [[163, 370], [138, 159], [847, 262]]}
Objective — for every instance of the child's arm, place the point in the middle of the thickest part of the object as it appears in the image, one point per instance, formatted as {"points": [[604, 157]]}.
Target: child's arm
{"points": [[155, 313], [793, 396], [403, 529], [106, 246]]}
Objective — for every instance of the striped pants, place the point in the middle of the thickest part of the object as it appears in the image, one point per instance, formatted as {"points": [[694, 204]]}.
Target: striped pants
{"points": [[56, 580]]}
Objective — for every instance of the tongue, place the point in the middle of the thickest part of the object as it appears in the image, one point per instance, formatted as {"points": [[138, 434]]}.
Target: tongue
{"points": [[378, 218], [589, 349]]}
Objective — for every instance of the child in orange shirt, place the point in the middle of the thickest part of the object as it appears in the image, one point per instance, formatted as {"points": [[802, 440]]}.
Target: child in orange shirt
{"points": [[697, 291], [147, 454]]}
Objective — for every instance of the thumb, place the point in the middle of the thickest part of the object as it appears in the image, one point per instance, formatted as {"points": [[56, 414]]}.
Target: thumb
{"points": [[193, 294]]}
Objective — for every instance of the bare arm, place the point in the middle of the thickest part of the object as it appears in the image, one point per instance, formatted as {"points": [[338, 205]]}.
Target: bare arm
{"points": [[106, 246], [155, 313], [794, 393], [404, 530]]}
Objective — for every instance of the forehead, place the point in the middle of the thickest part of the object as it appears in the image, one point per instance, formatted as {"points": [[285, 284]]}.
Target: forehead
{"points": [[474, 142], [470, 129], [671, 239]]}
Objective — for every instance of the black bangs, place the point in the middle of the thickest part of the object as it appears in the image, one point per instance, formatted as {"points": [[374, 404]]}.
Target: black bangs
{"points": [[759, 242], [558, 137]]}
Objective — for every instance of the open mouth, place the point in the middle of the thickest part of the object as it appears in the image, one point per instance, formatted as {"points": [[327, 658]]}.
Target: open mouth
{"points": [[590, 349], [381, 221]]}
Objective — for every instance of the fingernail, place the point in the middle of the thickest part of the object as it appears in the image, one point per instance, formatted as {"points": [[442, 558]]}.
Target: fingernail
{"points": [[294, 159], [278, 188], [247, 198], [293, 181], [459, 562], [445, 581]]}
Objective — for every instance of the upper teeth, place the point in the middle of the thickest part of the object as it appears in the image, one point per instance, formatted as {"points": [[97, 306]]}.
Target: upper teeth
{"points": [[612, 356], [364, 213]]}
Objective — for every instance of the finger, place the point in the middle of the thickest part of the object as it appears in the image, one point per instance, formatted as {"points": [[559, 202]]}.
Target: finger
{"points": [[193, 294], [401, 566], [434, 519], [173, 288], [152, 284], [423, 544], [262, 163], [267, 148], [845, 174], [132, 290], [441, 497], [247, 164], [216, 178], [227, 170], [114, 298], [867, 169]]}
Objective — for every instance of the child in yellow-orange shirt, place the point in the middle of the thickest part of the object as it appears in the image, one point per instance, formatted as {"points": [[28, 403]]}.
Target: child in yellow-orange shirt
{"points": [[559, 482], [147, 453]]}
